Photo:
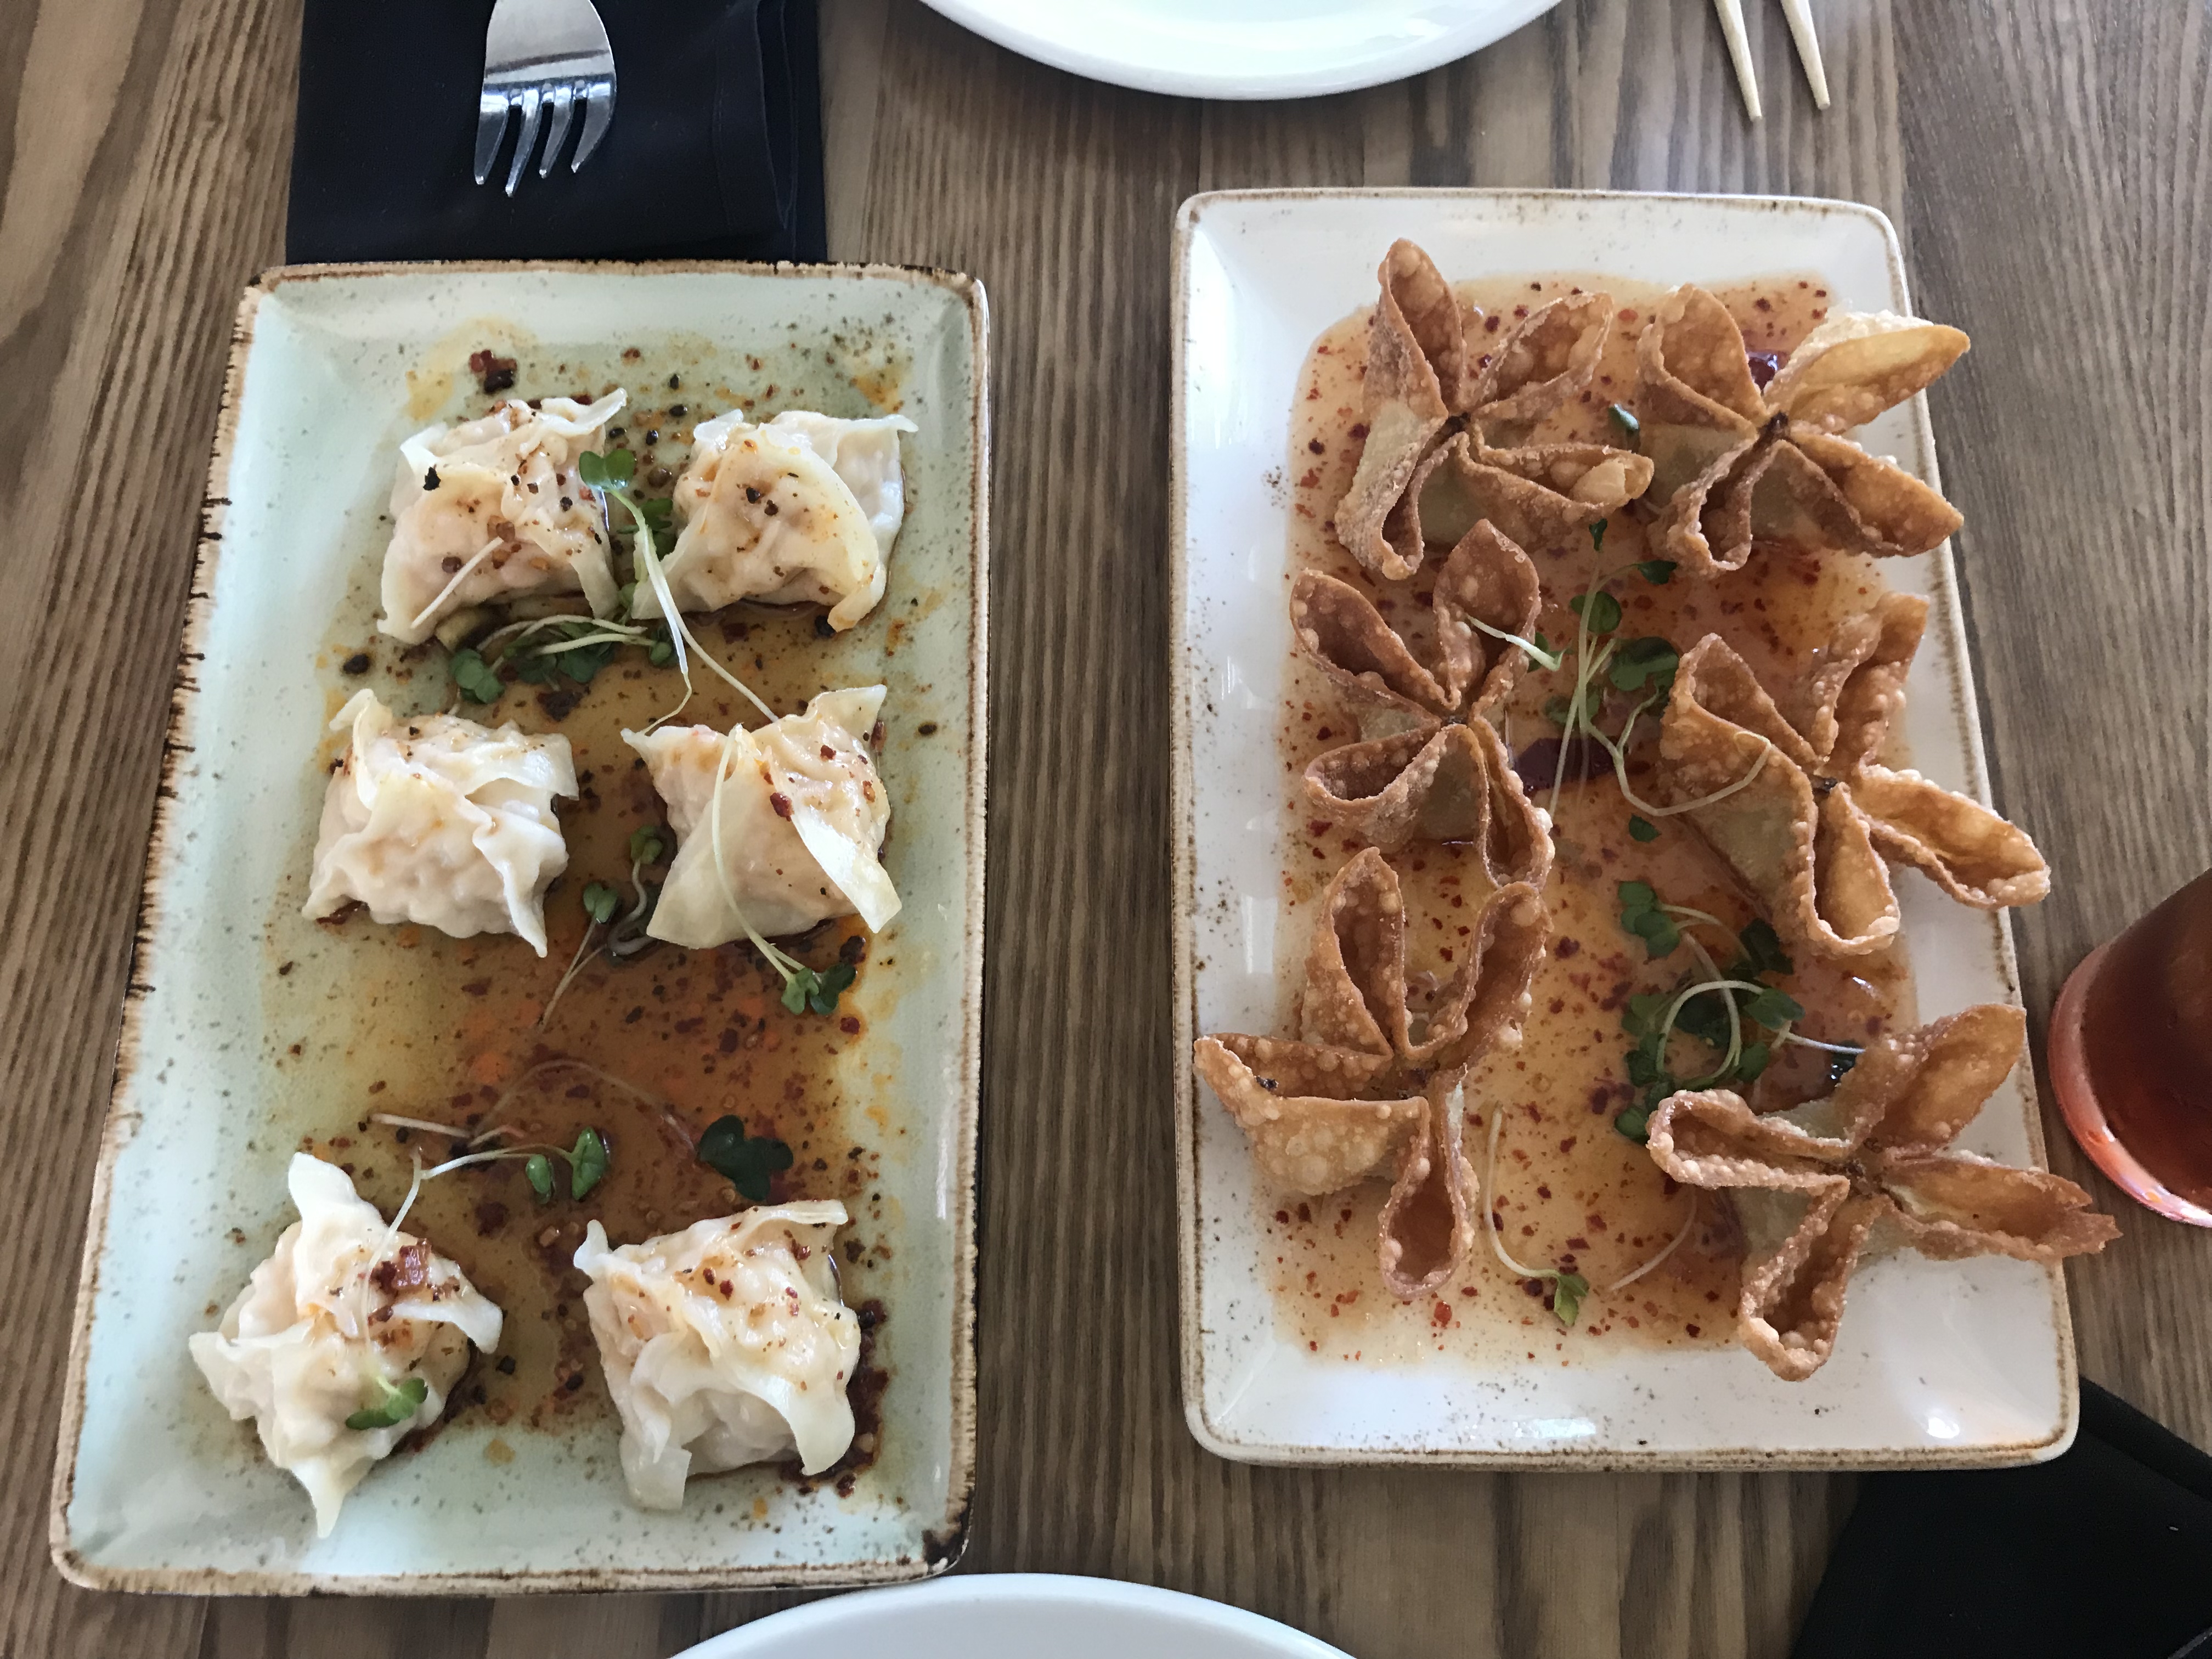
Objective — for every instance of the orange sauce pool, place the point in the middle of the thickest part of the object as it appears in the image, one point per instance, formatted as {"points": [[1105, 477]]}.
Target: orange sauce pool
{"points": [[405, 1021], [1568, 1190]]}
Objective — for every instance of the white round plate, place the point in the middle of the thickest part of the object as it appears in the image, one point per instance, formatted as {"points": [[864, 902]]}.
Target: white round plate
{"points": [[1015, 1616], [1244, 48]]}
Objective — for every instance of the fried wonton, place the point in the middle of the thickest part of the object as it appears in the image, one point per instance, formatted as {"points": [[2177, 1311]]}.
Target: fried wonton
{"points": [[1428, 766], [1373, 1082], [1875, 1155], [1452, 398], [1800, 810], [1734, 466]]}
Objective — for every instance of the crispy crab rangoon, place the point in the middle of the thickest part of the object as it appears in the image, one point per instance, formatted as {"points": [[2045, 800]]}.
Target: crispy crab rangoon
{"points": [[1874, 1159], [1799, 807], [1429, 766], [1451, 399], [1734, 464], [1372, 1084]]}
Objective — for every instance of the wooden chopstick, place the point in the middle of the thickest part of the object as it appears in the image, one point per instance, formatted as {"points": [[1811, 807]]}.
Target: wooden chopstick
{"points": [[1799, 13], [1739, 47]]}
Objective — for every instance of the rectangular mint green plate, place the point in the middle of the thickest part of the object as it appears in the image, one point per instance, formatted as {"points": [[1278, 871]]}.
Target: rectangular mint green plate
{"points": [[155, 1488]]}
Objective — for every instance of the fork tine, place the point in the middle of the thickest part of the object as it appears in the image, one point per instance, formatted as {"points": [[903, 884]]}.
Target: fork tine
{"points": [[599, 110], [564, 106], [491, 127], [533, 109]]}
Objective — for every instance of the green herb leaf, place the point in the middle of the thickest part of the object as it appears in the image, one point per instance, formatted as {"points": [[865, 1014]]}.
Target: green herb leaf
{"points": [[1773, 1009], [1762, 950], [1752, 1061], [600, 901], [1597, 537], [587, 1163], [1635, 1122], [537, 1170], [1600, 609], [1558, 710], [795, 989], [662, 653], [829, 985], [1640, 828], [396, 1405], [476, 679], [1657, 572], [610, 472], [1704, 1017], [1631, 428], [1648, 661], [746, 1161], [1568, 1291], [646, 844]]}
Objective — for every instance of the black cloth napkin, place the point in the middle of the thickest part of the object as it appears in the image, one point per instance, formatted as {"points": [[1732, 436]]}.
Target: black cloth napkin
{"points": [[714, 152], [2103, 1554]]}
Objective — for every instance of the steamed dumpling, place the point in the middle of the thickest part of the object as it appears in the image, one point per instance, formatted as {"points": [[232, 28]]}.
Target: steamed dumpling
{"points": [[803, 815], [804, 508], [440, 821], [724, 1345], [494, 510], [343, 1312]]}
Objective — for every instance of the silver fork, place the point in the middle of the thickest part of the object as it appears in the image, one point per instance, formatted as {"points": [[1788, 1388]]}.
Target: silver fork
{"points": [[540, 54]]}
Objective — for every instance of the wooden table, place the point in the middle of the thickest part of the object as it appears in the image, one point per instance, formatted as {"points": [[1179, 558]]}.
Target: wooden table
{"points": [[2049, 166]]}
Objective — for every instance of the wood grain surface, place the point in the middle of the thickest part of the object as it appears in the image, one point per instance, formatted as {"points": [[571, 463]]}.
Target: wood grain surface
{"points": [[2049, 165]]}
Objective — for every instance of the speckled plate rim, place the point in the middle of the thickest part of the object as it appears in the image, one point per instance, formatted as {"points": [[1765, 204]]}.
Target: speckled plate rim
{"points": [[1183, 831], [949, 1538]]}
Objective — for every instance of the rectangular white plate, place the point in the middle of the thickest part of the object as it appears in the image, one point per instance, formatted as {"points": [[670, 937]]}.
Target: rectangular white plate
{"points": [[1938, 1363], [156, 1488]]}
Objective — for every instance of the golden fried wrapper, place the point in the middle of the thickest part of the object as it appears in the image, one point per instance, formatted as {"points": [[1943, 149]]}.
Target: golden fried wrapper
{"points": [[1855, 365], [1427, 1225], [1855, 690], [1446, 430], [1806, 818], [1416, 381], [1548, 359], [1375, 1076], [1539, 495], [1885, 1160], [1454, 784], [1732, 466], [1977, 857], [1303, 1141], [1486, 579]]}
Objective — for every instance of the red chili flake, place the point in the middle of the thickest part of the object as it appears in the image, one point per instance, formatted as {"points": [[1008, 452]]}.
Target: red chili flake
{"points": [[1316, 445], [1566, 947], [782, 803], [1360, 432]]}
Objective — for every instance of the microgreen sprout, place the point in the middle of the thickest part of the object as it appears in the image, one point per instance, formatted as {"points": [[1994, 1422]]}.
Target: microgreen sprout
{"points": [[1568, 1286], [611, 475], [1719, 1007], [398, 1401], [748, 1162], [627, 937], [1640, 828], [587, 1163], [474, 677], [1538, 650], [1631, 428], [537, 1170]]}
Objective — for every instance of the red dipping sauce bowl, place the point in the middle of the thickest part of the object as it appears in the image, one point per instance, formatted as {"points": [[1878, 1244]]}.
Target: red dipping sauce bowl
{"points": [[2131, 1056]]}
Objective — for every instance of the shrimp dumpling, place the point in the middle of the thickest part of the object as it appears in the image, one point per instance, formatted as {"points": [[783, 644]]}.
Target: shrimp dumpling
{"points": [[724, 1345], [777, 828], [437, 820], [493, 510], [345, 1316], [803, 508]]}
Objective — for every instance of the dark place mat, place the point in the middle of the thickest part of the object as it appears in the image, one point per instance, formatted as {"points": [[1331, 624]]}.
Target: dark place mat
{"points": [[714, 152], [2103, 1554]]}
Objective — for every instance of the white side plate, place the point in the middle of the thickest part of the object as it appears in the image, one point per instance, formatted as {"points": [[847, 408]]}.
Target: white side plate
{"points": [[1015, 1616], [1938, 1363], [156, 1488], [1234, 49]]}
